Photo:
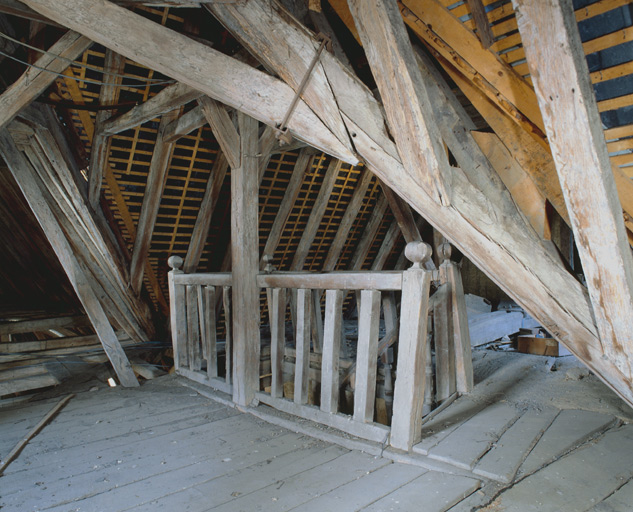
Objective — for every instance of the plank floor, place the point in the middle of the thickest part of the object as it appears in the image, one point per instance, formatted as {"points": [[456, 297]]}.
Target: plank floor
{"points": [[164, 447]]}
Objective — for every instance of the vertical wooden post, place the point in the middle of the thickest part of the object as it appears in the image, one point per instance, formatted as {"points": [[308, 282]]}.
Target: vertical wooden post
{"points": [[367, 356], [193, 328], [443, 337], [228, 327], [459, 335], [177, 313], [245, 263], [210, 330], [331, 350], [302, 352], [406, 428], [277, 308]]}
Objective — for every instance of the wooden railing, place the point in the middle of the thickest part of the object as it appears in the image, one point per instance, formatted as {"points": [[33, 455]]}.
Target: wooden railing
{"points": [[193, 317], [196, 304]]}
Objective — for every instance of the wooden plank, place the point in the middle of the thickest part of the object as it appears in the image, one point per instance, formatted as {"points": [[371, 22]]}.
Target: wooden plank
{"points": [[204, 278], [228, 327], [99, 152], [32, 433], [391, 280], [525, 193], [277, 307], [170, 98], [205, 213], [388, 49], [370, 431], [408, 399], [584, 170], [185, 124], [129, 34], [444, 348], [304, 162], [193, 346], [210, 332], [223, 128], [454, 41], [450, 273], [480, 18], [156, 178], [35, 81], [331, 351], [43, 324], [245, 264], [367, 356], [25, 176], [302, 361]]}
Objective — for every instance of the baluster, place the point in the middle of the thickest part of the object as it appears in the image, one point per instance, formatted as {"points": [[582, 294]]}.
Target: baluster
{"points": [[406, 428], [444, 349], [367, 356], [210, 332], [302, 353], [228, 327], [178, 313], [331, 350], [202, 319], [460, 335], [277, 309], [193, 328]]}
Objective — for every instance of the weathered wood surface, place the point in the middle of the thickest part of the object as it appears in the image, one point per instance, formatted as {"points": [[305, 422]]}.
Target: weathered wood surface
{"points": [[25, 176], [408, 397], [387, 280], [135, 37], [404, 95], [302, 340], [566, 97], [203, 278], [165, 101], [277, 307], [245, 264], [34, 81], [367, 356], [156, 178], [331, 351], [223, 128]]}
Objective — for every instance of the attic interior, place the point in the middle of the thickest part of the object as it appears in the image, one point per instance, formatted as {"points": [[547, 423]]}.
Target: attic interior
{"points": [[322, 214]]}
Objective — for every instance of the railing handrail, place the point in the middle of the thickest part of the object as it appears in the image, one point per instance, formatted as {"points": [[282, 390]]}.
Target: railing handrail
{"points": [[385, 280], [204, 279]]}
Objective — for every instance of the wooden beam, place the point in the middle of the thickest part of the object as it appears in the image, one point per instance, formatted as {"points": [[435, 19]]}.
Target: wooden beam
{"points": [[245, 264], [351, 212], [130, 34], [403, 93], [403, 215], [156, 178], [35, 81], [478, 12], [369, 233], [553, 47], [223, 128], [205, 213], [25, 176], [43, 324], [316, 215], [99, 153], [304, 162], [185, 124], [170, 98]]}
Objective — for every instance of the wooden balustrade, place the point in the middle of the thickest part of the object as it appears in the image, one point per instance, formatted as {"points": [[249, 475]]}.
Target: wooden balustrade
{"points": [[193, 299], [194, 330]]}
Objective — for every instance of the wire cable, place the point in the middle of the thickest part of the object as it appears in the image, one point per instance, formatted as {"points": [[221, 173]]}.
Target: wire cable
{"points": [[75, 63]]}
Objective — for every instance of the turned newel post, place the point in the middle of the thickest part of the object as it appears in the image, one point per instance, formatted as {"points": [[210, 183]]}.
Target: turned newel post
{"points": [[177, 313], [459, 335], [408, 398]]}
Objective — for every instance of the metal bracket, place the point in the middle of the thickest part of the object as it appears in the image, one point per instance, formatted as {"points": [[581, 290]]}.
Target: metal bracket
{"points": [[282, 130]]}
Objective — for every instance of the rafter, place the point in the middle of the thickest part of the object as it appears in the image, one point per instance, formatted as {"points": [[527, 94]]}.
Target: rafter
{"points": [[43, 73], [552, 45]]}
